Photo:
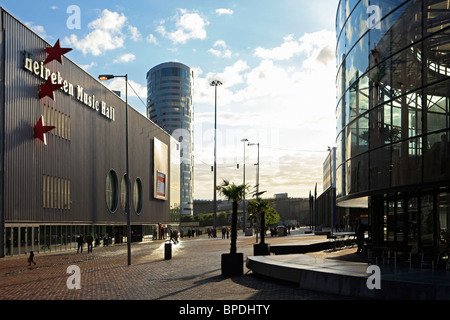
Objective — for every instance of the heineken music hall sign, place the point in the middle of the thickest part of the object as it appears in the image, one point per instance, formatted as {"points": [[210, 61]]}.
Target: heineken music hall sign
{"points": [[54, 81]]}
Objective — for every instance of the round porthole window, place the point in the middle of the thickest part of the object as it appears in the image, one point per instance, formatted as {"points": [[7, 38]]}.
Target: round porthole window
{"points": [[111, 190], [137, 196]]}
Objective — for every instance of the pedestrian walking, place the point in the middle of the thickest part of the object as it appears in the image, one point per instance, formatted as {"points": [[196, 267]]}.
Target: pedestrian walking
{"points": [[360, 230], [80, 241], [89, 240], [31, 258]]}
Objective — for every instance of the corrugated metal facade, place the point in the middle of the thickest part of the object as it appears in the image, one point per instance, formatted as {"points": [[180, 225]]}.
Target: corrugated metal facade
{"points": [[79, 153]]}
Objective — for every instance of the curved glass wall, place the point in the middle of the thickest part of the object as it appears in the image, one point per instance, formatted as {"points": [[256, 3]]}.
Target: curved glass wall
{"points": [[393, 116], [169, 105], [393, 86]]}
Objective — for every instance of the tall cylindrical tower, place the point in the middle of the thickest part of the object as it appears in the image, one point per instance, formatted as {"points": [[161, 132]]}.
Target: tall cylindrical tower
{"points": [[169, 105]]}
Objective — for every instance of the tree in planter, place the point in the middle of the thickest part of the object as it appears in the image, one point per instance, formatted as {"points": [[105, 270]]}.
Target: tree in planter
{"points": [[267, 214], [233, 193]]}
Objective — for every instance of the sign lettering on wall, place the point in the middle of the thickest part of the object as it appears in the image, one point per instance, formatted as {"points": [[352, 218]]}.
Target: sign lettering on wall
{"points": [[54, 81]]}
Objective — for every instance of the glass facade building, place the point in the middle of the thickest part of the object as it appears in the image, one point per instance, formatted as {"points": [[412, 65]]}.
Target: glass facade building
{"points": [[393, 119], [169, 105]]}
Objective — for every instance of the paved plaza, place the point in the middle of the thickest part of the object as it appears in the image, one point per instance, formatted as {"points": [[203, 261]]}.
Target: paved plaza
{"points": [[193, 273]]}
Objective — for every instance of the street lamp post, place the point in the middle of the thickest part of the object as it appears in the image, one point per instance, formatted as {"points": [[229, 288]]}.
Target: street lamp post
{"points": [[215, 84], [257, 184], [105, 77], [243, 206]]}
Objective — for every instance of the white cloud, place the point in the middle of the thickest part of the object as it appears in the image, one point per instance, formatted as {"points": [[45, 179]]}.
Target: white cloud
{"points": [[220, 49], [106, 35], [151, 39], [40, 30], [127, 57], [317, 44], [189, 25], [118, 84], [109, 20], [285, 51], [285, 100], [231, 76], [223, 11], [88, 66], [135, 34]]}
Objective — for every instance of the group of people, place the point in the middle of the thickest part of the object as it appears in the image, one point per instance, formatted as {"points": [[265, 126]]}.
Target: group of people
{"points": [[80, 241], [226, 231], [211, 233], [192, 233]]}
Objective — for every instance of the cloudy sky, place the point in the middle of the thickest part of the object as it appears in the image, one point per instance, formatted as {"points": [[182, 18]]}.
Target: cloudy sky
{"points": [[275, 59]]}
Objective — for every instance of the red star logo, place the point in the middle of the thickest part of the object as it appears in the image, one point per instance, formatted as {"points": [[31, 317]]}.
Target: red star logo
{"points": [[40, 130], [55, 52], [47, 89]]}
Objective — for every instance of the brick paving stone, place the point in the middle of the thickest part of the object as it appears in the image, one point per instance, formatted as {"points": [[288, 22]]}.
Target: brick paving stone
{"points": [[193, 273]]}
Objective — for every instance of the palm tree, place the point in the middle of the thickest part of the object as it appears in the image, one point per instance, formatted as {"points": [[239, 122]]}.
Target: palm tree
{"points": [[264, 209], [233, 193]]}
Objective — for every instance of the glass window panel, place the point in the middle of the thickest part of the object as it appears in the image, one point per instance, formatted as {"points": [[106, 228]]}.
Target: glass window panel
{"points": [[426, 220], [352, 103], [340, 16], [444, 217], [340, 81], [340, 185], [357, 24], [340, 50], [358, 97], [437, 58], [380, 168], [437, 157], [413, 226], [111, 191], [399, 222], [396, 130], [357, 174], [380, 77], [390, 221], [406, 162], [363, 93], [406, 71], [381, 130], [357, 137], [339, 122], [437, 15], [407, 27], [438, 106], [137, 196], [357, 61], [396, 30], [385, 219]]}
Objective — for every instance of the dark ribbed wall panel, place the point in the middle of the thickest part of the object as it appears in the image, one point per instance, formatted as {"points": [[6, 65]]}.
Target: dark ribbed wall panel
{"points": [[96, 145]]}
